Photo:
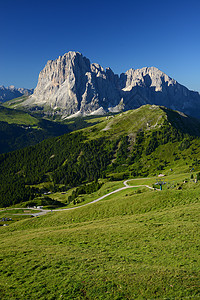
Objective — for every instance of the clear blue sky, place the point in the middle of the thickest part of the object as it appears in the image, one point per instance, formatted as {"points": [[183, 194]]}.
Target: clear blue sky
{"points": [[117, 34]]}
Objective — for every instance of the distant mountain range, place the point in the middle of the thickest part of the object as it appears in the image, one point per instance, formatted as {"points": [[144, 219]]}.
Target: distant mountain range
{"points": [[71, 86], [11, 92]]}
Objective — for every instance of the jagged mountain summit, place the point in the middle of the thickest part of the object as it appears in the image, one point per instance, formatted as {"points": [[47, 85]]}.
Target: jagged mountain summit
{"points": [[11, 92], [72, 86]]}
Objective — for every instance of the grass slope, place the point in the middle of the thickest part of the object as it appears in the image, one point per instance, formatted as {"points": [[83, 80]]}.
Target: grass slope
{"points": [[131, 246], [15, 103], [17, 117], [19, 129], [136, 244]]}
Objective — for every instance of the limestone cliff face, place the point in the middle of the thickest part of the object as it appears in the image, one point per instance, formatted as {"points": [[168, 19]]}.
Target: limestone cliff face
{"points": [[150, 85], [71, 86], [60, 82]]}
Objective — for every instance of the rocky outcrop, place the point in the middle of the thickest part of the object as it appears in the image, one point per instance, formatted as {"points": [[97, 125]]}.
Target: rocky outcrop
{"points": [[9, 93], [152, 86], [71, 86]]}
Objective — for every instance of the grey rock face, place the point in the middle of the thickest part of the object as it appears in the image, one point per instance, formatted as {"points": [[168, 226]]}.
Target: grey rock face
{"points": [[151, 86], [71, 86], [9, 93]]}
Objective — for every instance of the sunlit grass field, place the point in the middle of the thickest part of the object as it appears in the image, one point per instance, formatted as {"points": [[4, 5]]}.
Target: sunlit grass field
{"points": [[169, 181], [17, 117], [130, 245]]}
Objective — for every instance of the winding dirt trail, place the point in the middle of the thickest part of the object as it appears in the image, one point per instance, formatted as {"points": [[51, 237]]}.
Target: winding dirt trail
{"points": [[44, 211]]}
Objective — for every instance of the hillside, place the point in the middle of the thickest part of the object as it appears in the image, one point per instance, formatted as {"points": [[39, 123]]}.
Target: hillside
{"points": [[134, 143], [133, 245], [137, 243], [20, 129]]}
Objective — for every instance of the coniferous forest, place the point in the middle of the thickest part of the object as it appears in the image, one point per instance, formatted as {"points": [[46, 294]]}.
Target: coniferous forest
{"points": [[69, 161], [75, 159]]}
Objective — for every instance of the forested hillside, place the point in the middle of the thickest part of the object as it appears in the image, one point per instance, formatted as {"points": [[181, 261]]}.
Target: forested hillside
{"points": [[113, 149], [19, 129]]}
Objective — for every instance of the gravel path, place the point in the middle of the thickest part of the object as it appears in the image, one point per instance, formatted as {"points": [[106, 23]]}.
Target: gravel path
{"points": [[44, 211]]}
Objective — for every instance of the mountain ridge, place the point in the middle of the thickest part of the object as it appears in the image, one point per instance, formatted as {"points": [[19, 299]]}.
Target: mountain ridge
{"points": [[11, 92], [72, 86]]}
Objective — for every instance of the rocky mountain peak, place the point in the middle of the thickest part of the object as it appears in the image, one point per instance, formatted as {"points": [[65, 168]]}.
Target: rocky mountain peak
{"points": [[71, 85], [148, 77]]}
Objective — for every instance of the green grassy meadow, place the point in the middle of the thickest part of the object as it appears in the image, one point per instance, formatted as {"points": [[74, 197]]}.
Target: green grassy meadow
{"points": [[171, 181], [106, 188], [15, 103], [129, 245], [12, 116]]}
